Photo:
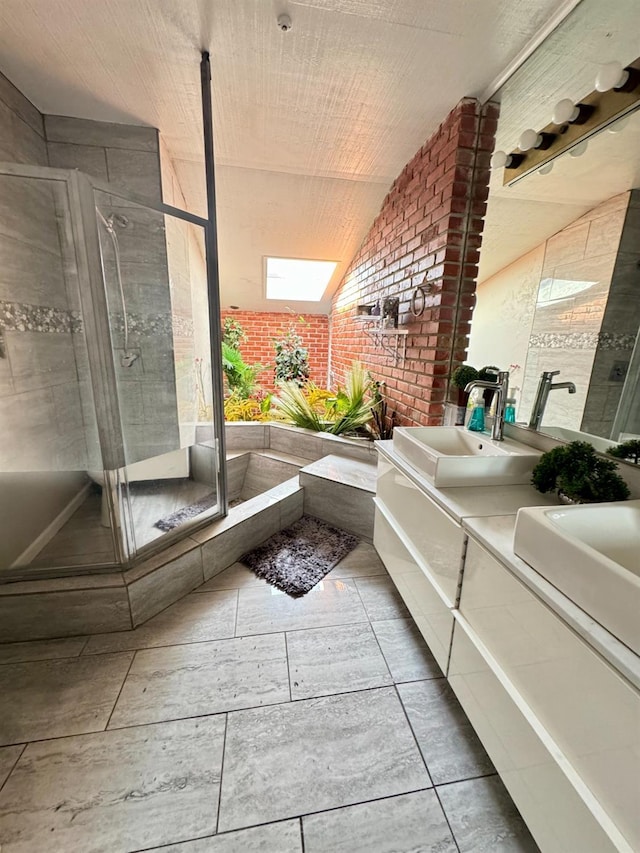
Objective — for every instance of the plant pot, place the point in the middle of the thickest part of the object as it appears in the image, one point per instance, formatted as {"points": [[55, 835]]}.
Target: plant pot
{"points": [[568, 501]]}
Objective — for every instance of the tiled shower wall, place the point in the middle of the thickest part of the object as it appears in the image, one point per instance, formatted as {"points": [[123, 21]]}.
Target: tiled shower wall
{"points": [[43, 451], [568, 331], [620, 325], [128, 157]]}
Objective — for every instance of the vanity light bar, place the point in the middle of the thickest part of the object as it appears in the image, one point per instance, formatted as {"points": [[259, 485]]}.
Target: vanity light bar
{"points": [[574, 124]]}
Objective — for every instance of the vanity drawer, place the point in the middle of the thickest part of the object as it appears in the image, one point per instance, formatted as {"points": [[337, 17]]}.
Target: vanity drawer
{"points": [[430, 612], [559, 819], [590, 711], [435, 535]]}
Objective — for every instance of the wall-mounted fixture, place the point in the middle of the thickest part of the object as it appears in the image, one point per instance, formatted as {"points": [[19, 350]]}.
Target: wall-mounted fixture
{"points": [[616, 96]]}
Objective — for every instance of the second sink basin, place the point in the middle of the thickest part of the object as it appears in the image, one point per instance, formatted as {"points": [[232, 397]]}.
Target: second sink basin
{"points": [[591, 553], [451, 456]]}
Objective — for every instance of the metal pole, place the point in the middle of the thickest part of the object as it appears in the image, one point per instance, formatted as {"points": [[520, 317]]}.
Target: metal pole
{"points": [[213, 281]]}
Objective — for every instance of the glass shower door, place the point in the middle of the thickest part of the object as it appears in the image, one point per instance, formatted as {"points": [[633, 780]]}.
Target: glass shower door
{"points": [[155, 279]]}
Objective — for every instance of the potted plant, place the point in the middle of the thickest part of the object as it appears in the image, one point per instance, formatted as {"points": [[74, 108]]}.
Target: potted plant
{"points": [[579, 475], [628, 450], [460, 378]]}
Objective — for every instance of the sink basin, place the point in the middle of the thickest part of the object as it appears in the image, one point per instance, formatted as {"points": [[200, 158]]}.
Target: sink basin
{"points": [[600, 444], [451, 456], [591, 553]]}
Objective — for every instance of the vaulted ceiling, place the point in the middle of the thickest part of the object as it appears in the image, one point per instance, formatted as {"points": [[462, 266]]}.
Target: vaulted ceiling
{"points": [[312, 126]]}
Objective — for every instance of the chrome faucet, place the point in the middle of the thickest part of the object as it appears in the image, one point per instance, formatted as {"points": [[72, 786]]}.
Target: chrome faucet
{"points": [[545, 386], [501, 389]]}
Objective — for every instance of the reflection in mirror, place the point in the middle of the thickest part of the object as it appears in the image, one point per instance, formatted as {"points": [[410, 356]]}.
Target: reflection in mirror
{"points": [[559, 281]]}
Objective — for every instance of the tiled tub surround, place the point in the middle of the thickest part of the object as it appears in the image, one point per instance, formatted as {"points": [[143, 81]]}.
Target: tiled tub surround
{"points": [[112, 601], [328, 729], [554, 697]]}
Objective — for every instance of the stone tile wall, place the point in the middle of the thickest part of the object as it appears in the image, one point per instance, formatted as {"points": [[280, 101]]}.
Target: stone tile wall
{"points": [[568, 329], [127, 156]]}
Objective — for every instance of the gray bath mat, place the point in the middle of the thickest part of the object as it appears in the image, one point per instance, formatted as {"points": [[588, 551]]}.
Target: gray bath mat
{"points": [[180, 516], [295, 559]]}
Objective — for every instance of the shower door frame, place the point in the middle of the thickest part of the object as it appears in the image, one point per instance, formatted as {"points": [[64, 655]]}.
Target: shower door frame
{"points": [[81, 189]]}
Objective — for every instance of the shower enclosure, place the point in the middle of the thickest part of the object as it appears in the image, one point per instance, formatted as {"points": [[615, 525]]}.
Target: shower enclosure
{"points": [[111, 420]]}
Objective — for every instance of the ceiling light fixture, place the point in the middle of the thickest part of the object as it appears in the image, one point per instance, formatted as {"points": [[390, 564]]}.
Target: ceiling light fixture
{"points": [[530, 139], [579, 149], [614, 76], [500, 160], [617, 96], [566, 112]]}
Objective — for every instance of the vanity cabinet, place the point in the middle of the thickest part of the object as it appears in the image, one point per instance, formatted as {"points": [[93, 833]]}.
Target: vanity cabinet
{"points": [[559, 721], [430, 610], [437, 539], [587, 717]]}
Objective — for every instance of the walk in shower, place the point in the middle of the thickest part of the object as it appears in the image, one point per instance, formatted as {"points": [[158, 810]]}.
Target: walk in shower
{"points": [[111, 432]]}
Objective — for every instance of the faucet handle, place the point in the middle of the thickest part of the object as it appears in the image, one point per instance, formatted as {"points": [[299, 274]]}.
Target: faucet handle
{"points": [[547, 374]]}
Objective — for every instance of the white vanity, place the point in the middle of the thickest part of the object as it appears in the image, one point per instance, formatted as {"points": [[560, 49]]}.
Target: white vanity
{"points": [[554, 697]]}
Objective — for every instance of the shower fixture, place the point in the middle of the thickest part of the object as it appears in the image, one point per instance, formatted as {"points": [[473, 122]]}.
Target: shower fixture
{"points": [[127, 358]]}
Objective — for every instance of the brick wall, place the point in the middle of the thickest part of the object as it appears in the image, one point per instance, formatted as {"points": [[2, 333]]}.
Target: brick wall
{"points": [[428, 232], [262, 327]]}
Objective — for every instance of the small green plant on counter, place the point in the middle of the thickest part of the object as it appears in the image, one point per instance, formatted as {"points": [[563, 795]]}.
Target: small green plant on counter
{"points": [[462, 375], [576, 471], [628, 450], [488, 373]]}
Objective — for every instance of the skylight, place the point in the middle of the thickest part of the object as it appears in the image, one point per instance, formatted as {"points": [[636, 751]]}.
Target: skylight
{"points": [[295, 279]]}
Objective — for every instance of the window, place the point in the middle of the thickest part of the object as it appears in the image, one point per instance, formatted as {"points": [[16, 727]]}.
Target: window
{"points": [[300, 280]]}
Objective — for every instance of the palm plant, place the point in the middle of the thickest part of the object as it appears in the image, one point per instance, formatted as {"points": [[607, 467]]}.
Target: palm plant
{"points": [[240, 376], [315, 409]]}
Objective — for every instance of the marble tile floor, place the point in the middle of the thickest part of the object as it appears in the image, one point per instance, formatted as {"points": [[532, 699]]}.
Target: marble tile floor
{"points": [[241, 721]]}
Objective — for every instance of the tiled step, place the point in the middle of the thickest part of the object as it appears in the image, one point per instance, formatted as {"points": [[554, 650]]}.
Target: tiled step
{"points": [[340, 491]]}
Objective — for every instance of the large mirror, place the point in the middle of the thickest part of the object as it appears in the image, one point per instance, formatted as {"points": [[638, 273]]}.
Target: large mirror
{"points": [[559, 282]]}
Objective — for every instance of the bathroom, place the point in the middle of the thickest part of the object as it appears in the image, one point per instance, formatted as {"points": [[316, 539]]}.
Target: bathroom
{"points": [[114, 484]]}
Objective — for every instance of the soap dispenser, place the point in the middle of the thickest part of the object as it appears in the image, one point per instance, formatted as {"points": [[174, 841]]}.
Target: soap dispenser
{"points": [[475, 422]]}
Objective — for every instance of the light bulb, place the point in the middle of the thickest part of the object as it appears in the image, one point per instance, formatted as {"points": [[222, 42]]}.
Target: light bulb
{"points": [[498, 159], [579, 149], [544, 170], [529, 139], [611, 76], [619, 126], [565, 112]]}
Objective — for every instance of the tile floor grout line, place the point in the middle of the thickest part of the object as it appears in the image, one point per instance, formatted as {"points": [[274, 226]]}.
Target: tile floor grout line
{"points": [[224, 747], [84, 654], [14, 765], [201, 716], [133, 657], [415, 737], [235, 621], [446, 817], [302, 850], [301, 816], [386, 662], [286, 652]]}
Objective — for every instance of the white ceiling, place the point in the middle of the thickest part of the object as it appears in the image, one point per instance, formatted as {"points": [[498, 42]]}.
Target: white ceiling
{"points": [[312, 126], [565, 66]]}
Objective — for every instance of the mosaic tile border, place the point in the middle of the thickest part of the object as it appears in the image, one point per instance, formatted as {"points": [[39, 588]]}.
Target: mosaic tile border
{"points": [[582, 341], [21, 317]]}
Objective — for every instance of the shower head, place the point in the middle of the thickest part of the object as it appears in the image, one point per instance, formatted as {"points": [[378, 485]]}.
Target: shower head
{"points": [[117, 219]]}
